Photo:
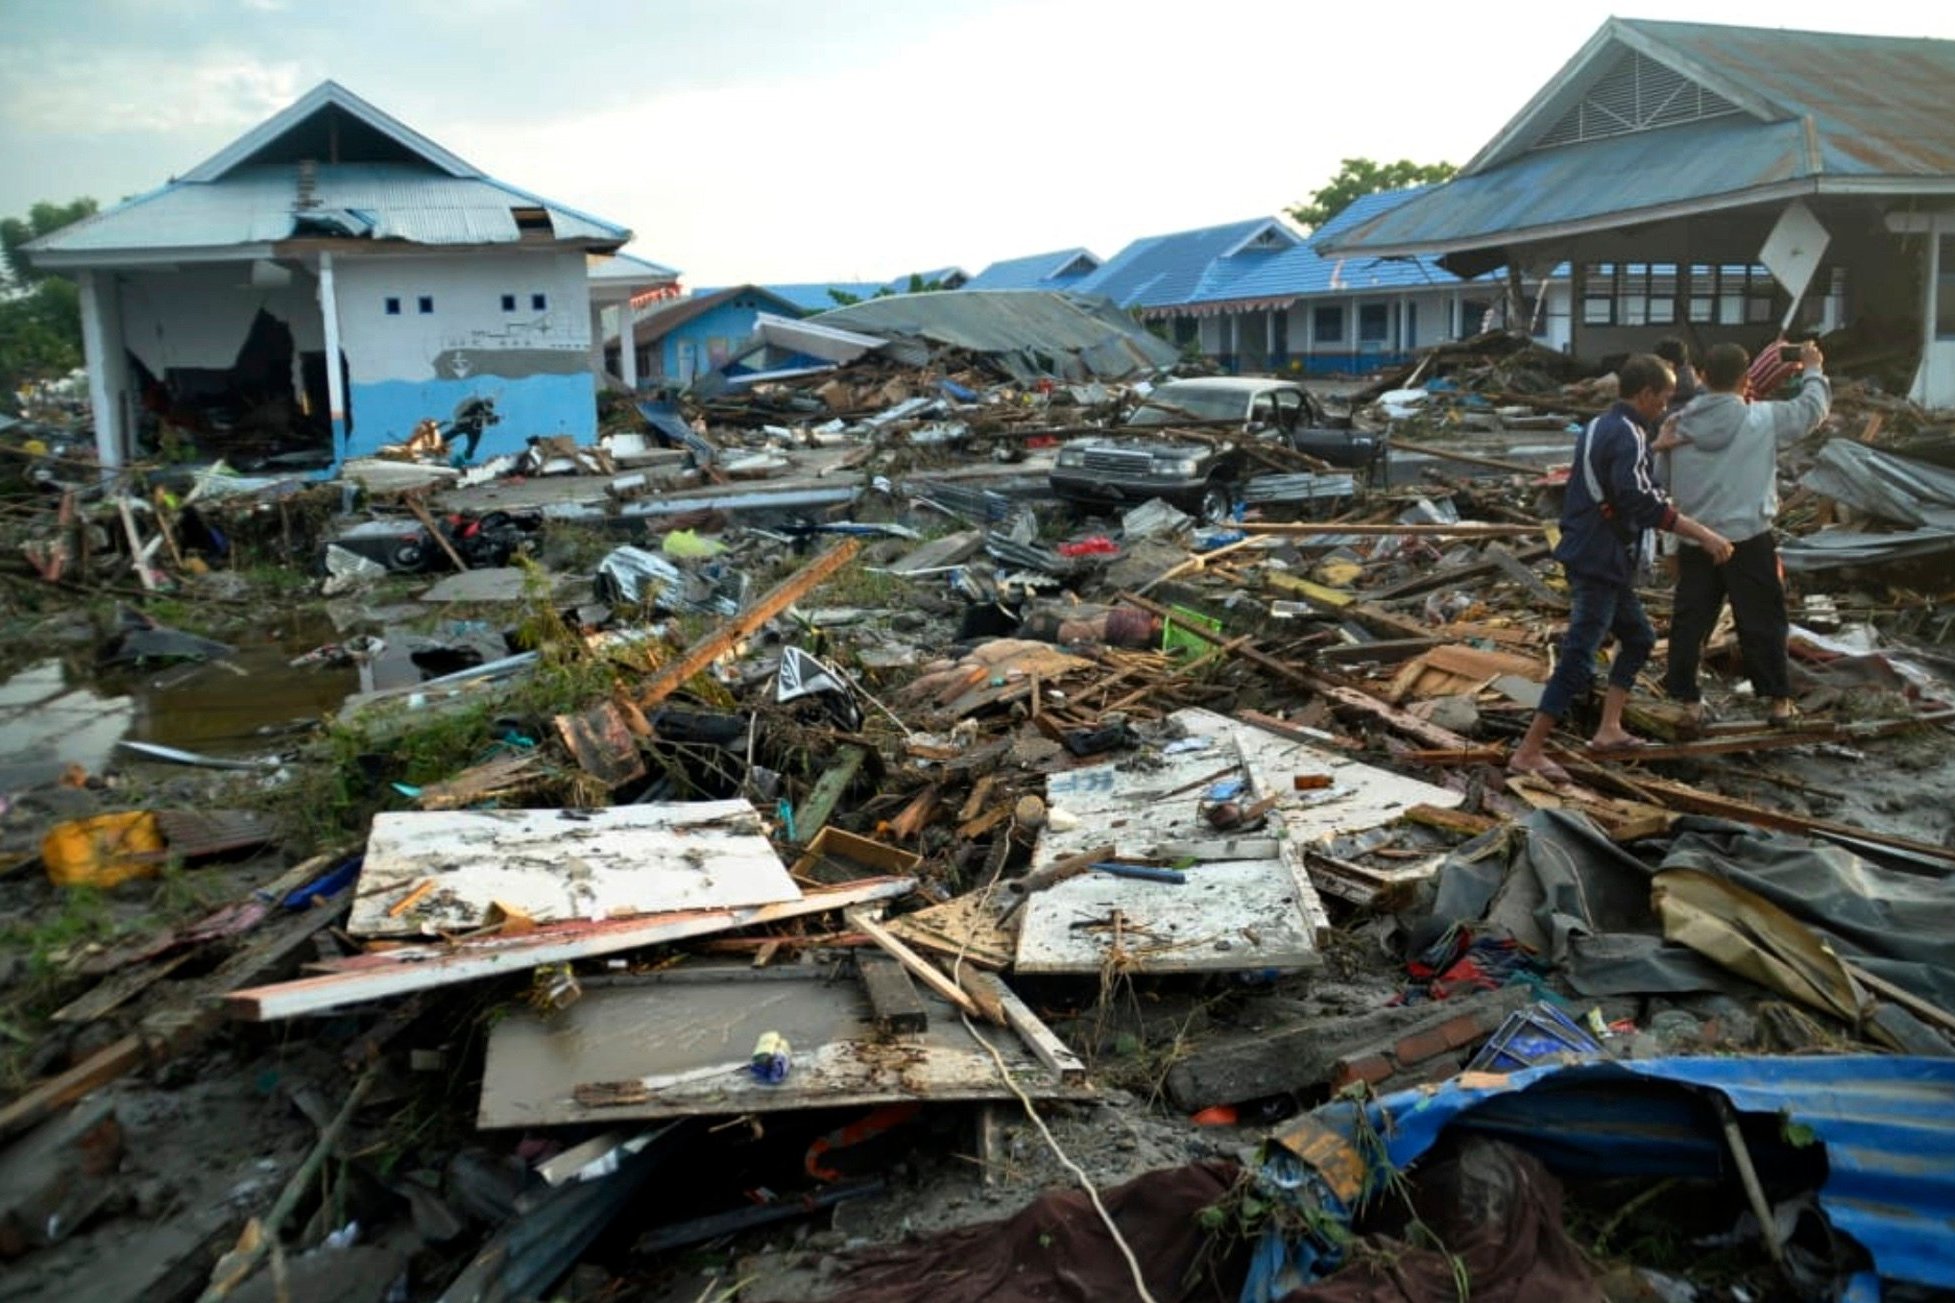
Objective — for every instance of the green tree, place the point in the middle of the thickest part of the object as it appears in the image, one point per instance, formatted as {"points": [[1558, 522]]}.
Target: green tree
{"points": [[40, 312], [917, 285], [1363, 176]]}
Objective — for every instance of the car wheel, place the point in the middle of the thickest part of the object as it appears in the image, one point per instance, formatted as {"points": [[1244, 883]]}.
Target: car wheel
{"points": [[1216, 503]]}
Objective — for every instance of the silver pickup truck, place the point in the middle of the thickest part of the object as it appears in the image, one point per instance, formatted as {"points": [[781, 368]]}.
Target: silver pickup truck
{"points": [[1198, 476]]}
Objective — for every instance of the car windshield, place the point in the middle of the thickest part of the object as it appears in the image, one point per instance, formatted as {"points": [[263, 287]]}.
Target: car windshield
{"points": [[1172, 403]]}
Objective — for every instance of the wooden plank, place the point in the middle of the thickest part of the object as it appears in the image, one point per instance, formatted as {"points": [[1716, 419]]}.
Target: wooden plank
{"points": [[56, 1093], [710, 648], [929, 973], [558, 865], [1679, 797], [385, 974], [434, 531], [492, 779], [827, 792], [1467, 458], [1454, 821], [892, 996], [1247, 650], [1315, 529], [1386, 651], [1053, 1052], [1907, 999], [963, 927], [1411, 726]]}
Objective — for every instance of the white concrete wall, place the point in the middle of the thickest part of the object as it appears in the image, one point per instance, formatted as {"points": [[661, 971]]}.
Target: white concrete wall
{"points": [[200, 316], [467, 291]]}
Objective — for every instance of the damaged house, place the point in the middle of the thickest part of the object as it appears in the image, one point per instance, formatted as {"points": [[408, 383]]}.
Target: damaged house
{"points": [[1257, 296], [1720, 183], [323, 283]]}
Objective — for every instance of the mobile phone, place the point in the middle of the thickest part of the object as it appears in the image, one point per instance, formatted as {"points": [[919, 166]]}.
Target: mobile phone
{"points": [[1791, 352]]}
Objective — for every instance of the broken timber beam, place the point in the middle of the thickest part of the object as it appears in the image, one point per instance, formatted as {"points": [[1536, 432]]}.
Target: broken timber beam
{"points": [[1465, 529], [716, 644], [434, 530], [1247, 650], [1053, 1052], [932, 976], [1679, 797], [893, 1000], [812, 814], [1466, 458]]}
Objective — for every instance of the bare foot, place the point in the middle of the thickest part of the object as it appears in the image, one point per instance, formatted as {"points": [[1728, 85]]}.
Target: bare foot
{"points": [[1538, 766]]}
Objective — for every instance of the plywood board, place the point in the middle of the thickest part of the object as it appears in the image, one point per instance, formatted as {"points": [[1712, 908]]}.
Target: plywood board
{"points": [[1249, 902], [678, 1044], [1230, 916], [556, 865]]}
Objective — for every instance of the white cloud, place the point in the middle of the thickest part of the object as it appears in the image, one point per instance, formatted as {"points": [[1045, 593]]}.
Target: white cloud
{"points": [[78, 91]]}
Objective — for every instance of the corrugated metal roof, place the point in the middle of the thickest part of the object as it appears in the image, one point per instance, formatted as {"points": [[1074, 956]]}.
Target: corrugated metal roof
{"points": [[1879, 103], [1019, 327], [258, 205], [1057, 270], [654, 326], [1824, 108], [628, 269], [1601, 182], [1887, 1125], [1158, 270]]}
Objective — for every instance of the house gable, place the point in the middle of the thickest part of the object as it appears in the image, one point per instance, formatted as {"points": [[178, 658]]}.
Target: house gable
{"points": [[330, 124], [1625, 79], [1634, 93]]}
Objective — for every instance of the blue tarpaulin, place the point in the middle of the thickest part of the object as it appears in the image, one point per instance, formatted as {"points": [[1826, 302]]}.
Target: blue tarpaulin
{"points": [[1886, 1125]]}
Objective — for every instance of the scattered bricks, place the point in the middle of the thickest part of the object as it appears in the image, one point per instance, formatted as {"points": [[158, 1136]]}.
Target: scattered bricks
{"points": [[1455, 1033], [1368, 1068]]}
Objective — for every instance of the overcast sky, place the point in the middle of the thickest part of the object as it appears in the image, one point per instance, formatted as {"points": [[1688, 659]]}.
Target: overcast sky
{"points": [[762, 140]]}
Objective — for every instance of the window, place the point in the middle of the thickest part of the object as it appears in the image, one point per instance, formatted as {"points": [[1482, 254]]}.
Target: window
{"points": [[425, 304], [1945, 289], [1473, 317], [1599, 294], [1646, 294], [1374, 323], [1327, 324], [1279, 334], [393, 307], [531, 221], [1730, 294], [1187, 331], [538, 302], [509, 303]]}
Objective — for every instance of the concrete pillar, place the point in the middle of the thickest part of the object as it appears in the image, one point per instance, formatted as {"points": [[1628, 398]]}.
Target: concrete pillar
{"points": [[627, 346], [597, 339], [335, 385], [101, 341]]}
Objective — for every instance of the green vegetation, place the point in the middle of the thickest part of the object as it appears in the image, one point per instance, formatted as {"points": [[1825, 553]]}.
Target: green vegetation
{"points": [[1363, 176], [40, 314]]}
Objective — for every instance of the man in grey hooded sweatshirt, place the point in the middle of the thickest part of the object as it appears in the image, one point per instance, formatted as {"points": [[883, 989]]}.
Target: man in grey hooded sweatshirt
{"points": [[1724, 472]]}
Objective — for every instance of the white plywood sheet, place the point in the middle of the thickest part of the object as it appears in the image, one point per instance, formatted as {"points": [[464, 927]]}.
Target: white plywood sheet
{"points": [[1229, 916], [559, 865], [1249, 903]]}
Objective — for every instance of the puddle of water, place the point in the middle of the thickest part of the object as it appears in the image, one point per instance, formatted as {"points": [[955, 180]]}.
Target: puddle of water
{"points": [[59, 712]]}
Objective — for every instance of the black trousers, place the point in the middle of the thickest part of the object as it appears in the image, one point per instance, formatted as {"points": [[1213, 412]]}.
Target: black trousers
{"points": [[1750, 579]]}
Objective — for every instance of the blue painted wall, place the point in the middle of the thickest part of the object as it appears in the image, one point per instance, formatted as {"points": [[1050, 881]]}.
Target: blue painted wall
{"points": [[728, 324], [540, 405]]}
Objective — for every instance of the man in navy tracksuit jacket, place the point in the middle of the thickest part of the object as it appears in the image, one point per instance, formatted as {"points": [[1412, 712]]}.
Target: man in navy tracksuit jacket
{"points": [[1612, 499]]}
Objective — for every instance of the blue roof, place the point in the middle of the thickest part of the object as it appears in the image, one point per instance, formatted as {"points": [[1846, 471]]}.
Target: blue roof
{"points": [[1208, 267], [1163, 270], [1058, 270]]}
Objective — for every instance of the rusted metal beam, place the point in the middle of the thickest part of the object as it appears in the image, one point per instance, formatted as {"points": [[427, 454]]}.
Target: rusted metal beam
{"points": [[716, 644]]}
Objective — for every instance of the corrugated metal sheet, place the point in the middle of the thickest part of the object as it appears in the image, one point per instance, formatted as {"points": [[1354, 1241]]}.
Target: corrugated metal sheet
{"points": [[1038, 271], [1887, 1125], [1880, 104], [1031, 332], [1603, 180], [257, 205], [1877, 108]]}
